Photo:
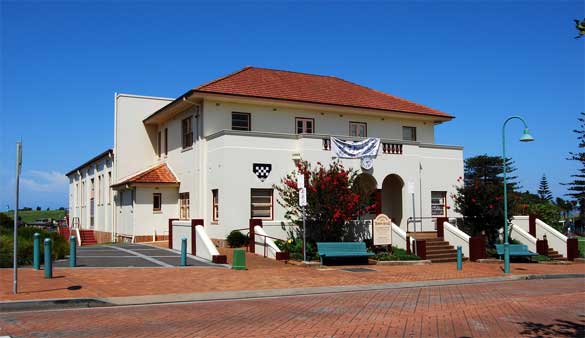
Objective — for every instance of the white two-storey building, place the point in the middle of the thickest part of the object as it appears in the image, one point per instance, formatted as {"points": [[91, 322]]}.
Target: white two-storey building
{"points": [[216, 151]]}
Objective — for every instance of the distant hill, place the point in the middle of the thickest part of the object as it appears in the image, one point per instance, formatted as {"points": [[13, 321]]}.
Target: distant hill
{"points": [[32, 215]]}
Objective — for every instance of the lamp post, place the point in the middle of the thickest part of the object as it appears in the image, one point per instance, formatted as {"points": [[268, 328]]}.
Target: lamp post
{"points": [[526, 137]]}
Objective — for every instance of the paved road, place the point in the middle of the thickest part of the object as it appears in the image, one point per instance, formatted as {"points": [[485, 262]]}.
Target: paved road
{"points": [[553, 308], [127, 255]]}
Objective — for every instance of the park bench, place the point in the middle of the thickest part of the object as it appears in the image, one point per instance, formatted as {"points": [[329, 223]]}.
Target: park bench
{"points": [[342, 250], [519, 250]]}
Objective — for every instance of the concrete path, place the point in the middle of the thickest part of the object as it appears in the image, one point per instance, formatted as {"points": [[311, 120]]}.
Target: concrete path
{"points": [[546, 308], [128, 255]]}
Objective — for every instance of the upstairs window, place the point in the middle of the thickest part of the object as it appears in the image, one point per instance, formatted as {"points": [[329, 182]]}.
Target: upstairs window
{"points": [[409, 133], [187, 132], [166, 141], [215, 203], [158, 144], [262, 203], [305, 125], [359, 129], [438, 203], [156, 201], [241, 121]]}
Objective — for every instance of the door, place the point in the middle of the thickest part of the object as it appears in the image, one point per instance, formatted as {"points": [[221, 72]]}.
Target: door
{"points": [[126, 220]]}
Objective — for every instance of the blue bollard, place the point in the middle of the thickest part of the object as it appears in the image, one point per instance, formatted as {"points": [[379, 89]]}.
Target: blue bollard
{"points": [[459, 258], [183, 252], [37, 251], [48, 259], [506, 258], [72, 252]]}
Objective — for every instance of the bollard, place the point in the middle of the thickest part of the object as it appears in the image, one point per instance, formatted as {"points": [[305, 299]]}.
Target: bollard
{"points": [[37, 251], [72, 252], [459, 258], [239, 261], [183, 252], [48, 259]]}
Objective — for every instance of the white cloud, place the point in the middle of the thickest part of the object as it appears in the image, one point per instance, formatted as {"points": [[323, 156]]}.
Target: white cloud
{"points": [[45, 181]]}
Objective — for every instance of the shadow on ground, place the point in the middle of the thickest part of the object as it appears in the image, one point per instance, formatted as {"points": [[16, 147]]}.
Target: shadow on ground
{"points": [[560, 328]]}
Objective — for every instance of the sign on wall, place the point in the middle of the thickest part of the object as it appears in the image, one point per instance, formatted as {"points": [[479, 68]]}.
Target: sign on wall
{"points": [[262, 170], [382, 230]]}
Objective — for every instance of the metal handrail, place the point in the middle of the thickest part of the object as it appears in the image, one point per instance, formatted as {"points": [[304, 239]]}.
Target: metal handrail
{"points": [[265, 236]]}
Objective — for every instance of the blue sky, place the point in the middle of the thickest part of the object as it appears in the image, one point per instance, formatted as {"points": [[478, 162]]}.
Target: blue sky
{"points": [[61, 64]]}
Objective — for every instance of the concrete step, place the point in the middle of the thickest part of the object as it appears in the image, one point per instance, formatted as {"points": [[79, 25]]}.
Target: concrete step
{"points": [[442, 255], [440, 251]]}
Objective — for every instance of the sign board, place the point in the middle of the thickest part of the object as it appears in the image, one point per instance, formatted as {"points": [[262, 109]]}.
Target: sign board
{"points": [[382, 230], [300, 181], [303, 197], [410, 188]]}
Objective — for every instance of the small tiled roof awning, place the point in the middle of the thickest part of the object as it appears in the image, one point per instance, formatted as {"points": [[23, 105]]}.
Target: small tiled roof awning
{"points": [[161, 174]]}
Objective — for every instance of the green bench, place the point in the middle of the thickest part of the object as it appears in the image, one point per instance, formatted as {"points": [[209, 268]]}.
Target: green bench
{"points": [[342, 250], [520, 250]]}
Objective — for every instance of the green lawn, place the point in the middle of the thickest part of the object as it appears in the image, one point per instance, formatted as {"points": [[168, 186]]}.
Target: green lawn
{"points": [[32, 215], [581, 246]]}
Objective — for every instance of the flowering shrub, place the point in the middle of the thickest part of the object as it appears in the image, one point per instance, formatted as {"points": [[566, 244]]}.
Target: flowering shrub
{"points": [[331, 201]]}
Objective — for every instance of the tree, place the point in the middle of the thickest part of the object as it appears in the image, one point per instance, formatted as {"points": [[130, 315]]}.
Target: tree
{"points": [[331, 201], [577, 186], [480, 199], [38, 208], [565, 206], [580, 26], [544, 191]]}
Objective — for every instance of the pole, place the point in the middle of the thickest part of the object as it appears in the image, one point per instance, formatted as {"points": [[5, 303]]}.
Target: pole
{"points": [[304, 237], [414, 214], [48, 259], [420, 193], [15, 240], [183, 261], [37, 251], [72, 252], [506, 244]]}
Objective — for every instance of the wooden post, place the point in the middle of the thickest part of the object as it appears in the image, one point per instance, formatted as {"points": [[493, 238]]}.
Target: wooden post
{"points": [[378, 201], [421, 249], [252, 244], [441, 227], [572, 248], [408, 251], [477, 248], [532, 225], [542, 247], [194, 223], [171, 231]]}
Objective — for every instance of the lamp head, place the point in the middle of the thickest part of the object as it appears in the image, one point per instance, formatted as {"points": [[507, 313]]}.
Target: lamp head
{"points": [[526, 137]]}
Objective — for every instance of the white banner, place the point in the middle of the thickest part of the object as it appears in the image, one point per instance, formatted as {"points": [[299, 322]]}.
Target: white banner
{"points": [[355, 149]]}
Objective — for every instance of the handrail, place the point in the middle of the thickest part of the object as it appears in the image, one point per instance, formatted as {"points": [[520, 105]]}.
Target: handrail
{"points": [[457, 232], [552, 230]]}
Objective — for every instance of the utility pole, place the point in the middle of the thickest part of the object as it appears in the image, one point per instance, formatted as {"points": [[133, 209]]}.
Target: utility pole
{"points": [[15, 245]]}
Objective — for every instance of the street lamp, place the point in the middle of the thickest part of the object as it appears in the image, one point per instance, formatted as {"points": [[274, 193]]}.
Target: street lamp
{"points": [[526, 137]]}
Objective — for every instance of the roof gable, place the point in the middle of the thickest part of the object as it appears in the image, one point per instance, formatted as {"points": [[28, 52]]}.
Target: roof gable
{"points": [[158, 174]]}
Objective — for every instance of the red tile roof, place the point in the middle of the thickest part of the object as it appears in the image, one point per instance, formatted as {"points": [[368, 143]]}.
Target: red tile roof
{"points": [[159, 174], [293, 86]]}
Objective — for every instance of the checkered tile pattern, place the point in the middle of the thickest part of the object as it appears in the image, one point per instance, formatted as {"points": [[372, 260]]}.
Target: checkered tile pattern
{"points": [[262, 170]]}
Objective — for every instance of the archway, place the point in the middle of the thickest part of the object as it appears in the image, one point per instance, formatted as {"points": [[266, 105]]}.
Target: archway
{"points": [[392, 197], [366, 186]]}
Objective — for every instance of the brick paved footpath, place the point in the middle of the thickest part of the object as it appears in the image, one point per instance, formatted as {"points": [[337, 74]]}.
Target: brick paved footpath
{"points": [[544, 308], [119, 282]]}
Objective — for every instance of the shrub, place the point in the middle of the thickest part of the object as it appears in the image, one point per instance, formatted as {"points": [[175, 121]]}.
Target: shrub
{"points": [[295, 248], [60, 246], [237, 239], [397, 254]]}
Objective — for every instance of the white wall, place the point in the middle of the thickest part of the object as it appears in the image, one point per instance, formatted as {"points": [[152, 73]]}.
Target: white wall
{"points": [[147, 221]]}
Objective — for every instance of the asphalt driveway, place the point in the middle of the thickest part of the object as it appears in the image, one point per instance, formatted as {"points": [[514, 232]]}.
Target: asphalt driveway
{"points": [[129, 255]]}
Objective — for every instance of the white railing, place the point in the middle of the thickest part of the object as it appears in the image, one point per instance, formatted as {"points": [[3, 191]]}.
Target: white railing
{"points": [[264, 244], [182, 229], [456, 238], [555, 239], [399, 238], [522, 222], [77, 236], [522, 236], [203, 244]]}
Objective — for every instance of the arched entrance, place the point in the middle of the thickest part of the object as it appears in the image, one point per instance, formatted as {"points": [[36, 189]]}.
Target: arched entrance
{"points": [[392, 197], [366, 186]]}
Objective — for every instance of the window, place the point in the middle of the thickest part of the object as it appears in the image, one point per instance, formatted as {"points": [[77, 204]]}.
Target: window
{"points": [[358, 129], [305, 125], [184, 205], [409, 133], [156, 201], [241, 121], [438, 203], [261, 203], [187, 128], [166, 141], [77, 194], [215, 203], [99, 199], [158, 144]]}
